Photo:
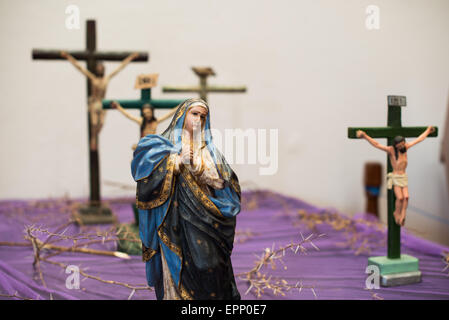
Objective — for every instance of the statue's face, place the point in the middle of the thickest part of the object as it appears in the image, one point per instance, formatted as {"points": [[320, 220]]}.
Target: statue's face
{"points": [[147, 113], [99, 70], [195, 119]]}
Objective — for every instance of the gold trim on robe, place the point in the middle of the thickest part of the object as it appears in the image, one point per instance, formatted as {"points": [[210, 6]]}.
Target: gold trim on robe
{"points": [[155, 167], [147, 253], [200, 195], [165, 190]]}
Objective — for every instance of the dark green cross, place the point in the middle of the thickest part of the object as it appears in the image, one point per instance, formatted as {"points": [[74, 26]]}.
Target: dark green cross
{"points": [[394, 128], [145, 97]]}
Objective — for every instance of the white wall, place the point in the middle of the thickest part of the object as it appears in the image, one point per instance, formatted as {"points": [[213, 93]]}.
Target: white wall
{"points": [[311, 67]]}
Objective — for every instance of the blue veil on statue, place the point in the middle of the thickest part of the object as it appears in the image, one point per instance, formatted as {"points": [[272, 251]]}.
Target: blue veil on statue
{"points": [[187, 234]]}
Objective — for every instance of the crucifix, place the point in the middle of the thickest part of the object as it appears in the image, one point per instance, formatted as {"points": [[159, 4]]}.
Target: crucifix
{"points": [[148, 81], [147, 121], [94, 212], [203, 89], [395, 268]]}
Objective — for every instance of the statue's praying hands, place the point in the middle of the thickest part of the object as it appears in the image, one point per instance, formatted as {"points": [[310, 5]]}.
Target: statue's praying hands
{"points": [[194, 155]]}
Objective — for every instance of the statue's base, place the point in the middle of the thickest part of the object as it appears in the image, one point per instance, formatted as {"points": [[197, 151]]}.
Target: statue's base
{"points": [[397, 272], [91, 214]]}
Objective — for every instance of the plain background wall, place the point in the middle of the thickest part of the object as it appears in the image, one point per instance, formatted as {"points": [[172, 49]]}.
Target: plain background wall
{"points": [[312, 69]]}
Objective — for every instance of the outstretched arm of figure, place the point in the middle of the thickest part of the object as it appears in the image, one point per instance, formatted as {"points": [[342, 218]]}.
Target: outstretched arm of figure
{"points": [[116, 105], [124, 63], [166, 116], [73, 61], [421, 138], [374, 143]]}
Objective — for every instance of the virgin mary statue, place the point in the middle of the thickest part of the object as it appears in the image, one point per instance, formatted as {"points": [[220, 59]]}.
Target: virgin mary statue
{"points": [[188, 198]]}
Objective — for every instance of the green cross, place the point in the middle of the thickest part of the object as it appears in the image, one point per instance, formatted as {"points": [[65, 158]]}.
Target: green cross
{"points": [[394, 128], [145, 97]]}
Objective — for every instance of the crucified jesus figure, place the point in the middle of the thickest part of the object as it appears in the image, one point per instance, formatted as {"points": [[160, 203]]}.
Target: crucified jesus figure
{"points": [[148, 122], [397, 179], [99, 83]]}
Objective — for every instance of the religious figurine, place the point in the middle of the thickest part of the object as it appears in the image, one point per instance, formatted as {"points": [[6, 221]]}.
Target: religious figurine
{"points": [[99, 83], [148, 122], [397, 179], [188, 198]]}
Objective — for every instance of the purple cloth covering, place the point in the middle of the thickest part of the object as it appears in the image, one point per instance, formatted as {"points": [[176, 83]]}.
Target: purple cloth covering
{"points": [[335, 271]]}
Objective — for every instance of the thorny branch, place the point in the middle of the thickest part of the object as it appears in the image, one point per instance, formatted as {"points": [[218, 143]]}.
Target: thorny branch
{"points": [[44, 246], [259, 282], [37, 258], [358, 241], [40, 246], [133, 287]]}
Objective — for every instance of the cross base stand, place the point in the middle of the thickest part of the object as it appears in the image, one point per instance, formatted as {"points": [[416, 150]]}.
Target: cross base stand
{"points": [[94, 214], [397, 272], [400, 279]]}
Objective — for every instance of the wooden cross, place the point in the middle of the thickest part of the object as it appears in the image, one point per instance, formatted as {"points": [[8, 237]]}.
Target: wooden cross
{"points": [[91, 56], [394, 128], [203, 89]]}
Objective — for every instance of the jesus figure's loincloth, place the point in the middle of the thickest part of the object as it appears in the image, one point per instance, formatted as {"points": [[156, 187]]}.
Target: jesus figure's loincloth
{"points": [[400, 180]]}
